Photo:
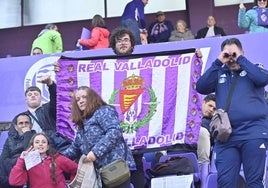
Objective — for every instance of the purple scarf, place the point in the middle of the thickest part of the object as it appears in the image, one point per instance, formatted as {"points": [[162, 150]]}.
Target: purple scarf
{"points": [[262, 17]]}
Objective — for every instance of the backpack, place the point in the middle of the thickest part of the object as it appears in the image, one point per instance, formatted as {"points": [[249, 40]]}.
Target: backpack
{"points": [[172, 166]]}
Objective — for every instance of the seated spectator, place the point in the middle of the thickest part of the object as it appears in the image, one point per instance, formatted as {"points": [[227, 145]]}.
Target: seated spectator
{"points": [[37, 51], [47, 174], [160, 30], [210, 30], [99, 36], [254, 19], [16, 142], [181, 32], [49, 40], [205, 140]]}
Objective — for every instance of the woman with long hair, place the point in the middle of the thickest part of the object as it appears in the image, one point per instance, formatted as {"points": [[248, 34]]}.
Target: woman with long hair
{"points": [[99, 37], [47, 174], [99, 135]]}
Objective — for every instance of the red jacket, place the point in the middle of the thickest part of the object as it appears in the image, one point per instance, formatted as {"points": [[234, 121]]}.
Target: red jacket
{"points": [[99, 38], [40, 175]]}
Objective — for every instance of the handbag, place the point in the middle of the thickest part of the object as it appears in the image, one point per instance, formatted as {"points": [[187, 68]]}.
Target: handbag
{"points": [[86, 176], [220, 126], [116, 172]]}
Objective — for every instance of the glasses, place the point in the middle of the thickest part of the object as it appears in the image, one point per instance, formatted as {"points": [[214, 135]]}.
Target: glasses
{"points": [[226, 55], [121, 41], [262, 0]]}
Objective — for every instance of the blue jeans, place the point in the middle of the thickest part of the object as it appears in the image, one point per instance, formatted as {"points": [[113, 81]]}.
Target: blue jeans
{"points": [[134, 27]]}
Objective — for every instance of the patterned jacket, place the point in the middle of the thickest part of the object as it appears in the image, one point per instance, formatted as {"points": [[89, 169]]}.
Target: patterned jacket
{"points": [[103, 136]]}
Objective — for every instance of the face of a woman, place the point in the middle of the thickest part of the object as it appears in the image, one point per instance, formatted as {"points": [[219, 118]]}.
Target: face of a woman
{"points": [[262, 3], [180, 27], [81, 100], [41, 143]]}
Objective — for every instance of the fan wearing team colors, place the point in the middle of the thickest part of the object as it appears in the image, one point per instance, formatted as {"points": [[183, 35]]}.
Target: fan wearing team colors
{"points": [[248, 114]]}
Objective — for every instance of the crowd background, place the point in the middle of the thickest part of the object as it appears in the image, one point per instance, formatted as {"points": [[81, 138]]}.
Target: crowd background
{"points": [[18, 41]]}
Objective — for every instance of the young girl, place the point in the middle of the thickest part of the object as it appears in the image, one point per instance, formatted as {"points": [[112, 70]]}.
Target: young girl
{"points": [[47, 174]]}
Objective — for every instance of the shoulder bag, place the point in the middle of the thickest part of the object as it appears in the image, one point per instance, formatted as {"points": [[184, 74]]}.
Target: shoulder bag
{"points": [[220, 126]]}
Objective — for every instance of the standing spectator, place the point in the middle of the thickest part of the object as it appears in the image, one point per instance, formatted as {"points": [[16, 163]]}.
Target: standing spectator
{"points": [[133, 18], [247, 112], [37, 51], [255, 19], [99, 36], [122, 41], [211, 30], [49, 40], [181, 32], [47, 174], [160, 30], [99, 135], [44, 115], [15, 143]]}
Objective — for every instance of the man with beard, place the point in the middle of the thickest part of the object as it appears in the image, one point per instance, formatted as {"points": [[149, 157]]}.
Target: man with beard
{"points": [[247, 113]]}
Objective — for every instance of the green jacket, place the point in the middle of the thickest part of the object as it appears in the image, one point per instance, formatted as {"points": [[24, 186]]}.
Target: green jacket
{"points": [[49, 41]]}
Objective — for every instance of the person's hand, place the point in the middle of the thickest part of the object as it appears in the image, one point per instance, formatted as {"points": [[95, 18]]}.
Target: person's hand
{"points": [[46, 80], [24, 153], [56, 67], [242, 6], [90, 157], [226, 55], [25, 129], [198, 53]]}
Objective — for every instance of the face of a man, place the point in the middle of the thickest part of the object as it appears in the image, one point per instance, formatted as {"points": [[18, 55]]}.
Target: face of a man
{"points": [[123, 45], [211, 21], [161, 18], [37, 51], [23, 124], [33, 99], [208, 108], [232, 52], [145, 2]]}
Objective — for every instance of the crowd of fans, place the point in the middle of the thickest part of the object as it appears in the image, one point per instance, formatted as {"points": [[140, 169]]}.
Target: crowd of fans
{"points": [[40, 118]]}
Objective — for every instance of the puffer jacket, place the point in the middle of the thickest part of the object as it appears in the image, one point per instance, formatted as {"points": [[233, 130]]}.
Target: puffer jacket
{"points": [[102, 135], [249, 20], [99, 38], [14, 145]]}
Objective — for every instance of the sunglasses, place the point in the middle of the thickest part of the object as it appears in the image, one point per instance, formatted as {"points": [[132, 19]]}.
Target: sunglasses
{"points": [[226, 55]]}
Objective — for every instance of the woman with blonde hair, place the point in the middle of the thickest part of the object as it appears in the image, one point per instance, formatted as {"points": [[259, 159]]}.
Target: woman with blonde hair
{"points": [[181, 32]]}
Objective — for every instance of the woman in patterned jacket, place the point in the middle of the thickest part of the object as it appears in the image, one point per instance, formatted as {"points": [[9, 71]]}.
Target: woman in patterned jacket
{"points": [[99, 135]]}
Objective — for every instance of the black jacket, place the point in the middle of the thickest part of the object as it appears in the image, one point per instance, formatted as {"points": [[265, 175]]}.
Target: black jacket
{"points": [[203, 32], [46, 116]]}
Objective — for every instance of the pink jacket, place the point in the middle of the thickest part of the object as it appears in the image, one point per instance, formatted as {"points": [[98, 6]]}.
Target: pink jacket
{"points": [[40, 176], [99, 38]]}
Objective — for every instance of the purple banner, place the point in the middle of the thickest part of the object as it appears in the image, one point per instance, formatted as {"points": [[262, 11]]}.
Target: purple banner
{"points": [[17, 73], [154, 96]]}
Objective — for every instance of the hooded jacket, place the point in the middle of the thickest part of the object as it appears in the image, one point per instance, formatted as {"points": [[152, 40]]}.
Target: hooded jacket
{"points": [[99, 39]]}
